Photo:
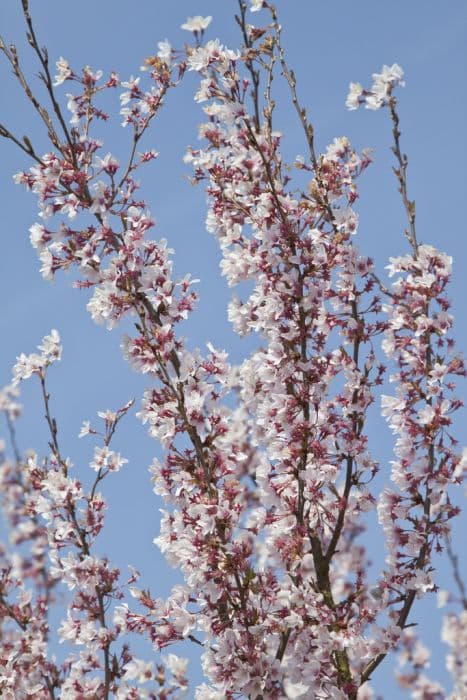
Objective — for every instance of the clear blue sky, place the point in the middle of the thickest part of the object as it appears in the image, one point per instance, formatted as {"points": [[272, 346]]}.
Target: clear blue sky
{"points": [[329, 43]]}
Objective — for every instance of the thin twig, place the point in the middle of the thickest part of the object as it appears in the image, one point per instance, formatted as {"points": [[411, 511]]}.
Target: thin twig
{"points": [[47, 79], [454, 559]]}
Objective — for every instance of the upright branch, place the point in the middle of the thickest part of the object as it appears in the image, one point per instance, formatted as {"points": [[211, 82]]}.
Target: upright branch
{"points": [[401, 175], [416, 516], [45, 76]]}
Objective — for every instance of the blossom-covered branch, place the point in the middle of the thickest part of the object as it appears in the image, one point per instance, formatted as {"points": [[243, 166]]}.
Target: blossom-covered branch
{"points": [[49, 508], [267, 473]]}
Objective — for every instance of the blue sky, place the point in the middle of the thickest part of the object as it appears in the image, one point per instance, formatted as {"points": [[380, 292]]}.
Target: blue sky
{"points": [[329, 44]]}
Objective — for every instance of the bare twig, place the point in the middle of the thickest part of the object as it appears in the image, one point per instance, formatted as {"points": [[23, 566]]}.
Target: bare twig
{"points": [[454, 559]]}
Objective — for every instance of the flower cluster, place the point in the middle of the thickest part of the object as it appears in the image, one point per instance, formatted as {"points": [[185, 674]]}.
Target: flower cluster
{"points": [[415, 655], [420, 415], [379, 93], [454, 634], [267, 473], [53, 524], [27, 365]]}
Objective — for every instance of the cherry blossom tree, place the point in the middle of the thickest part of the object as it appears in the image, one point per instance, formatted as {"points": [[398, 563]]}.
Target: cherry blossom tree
{"points": [[268, 474]]}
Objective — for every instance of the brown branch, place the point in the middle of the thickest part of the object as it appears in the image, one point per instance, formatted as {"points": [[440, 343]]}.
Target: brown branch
{"points": [[24, 145], [401, 174], [12, 57], [44, 60], [241, 21], [454, 559]]}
